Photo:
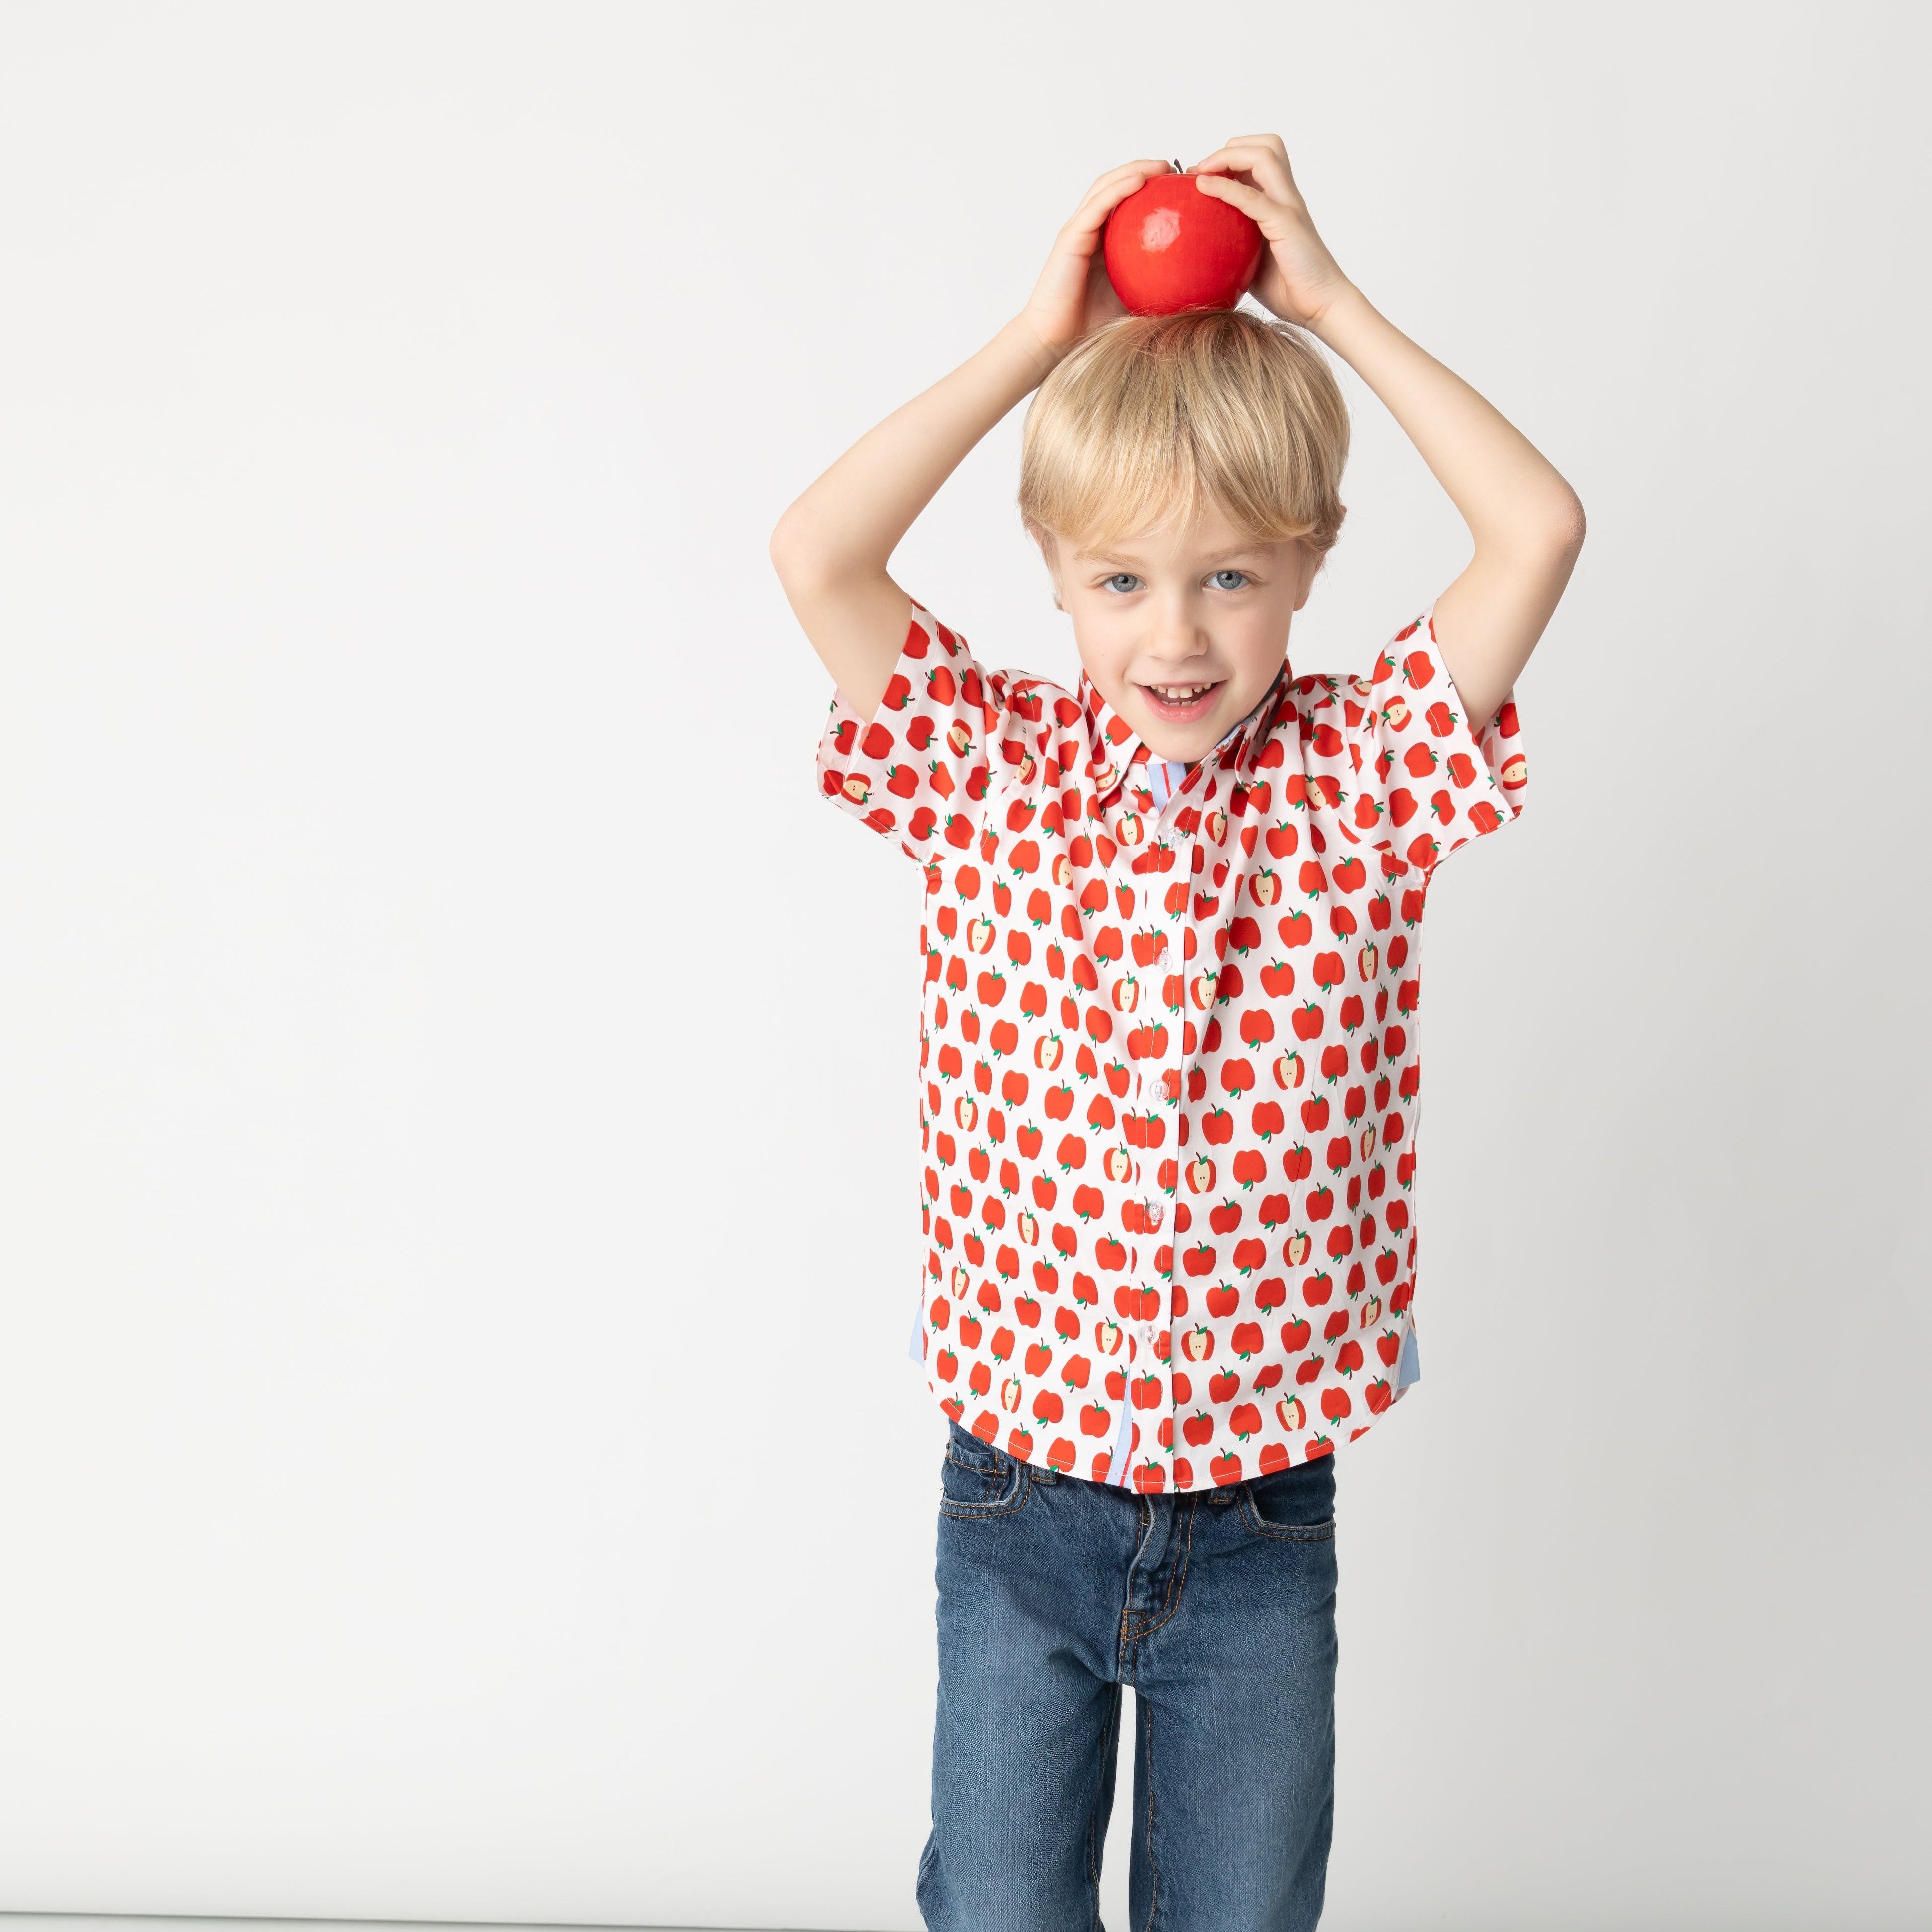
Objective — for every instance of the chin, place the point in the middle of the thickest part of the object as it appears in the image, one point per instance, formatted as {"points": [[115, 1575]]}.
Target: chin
{"points": [[1186, 732], [1188, 747]]}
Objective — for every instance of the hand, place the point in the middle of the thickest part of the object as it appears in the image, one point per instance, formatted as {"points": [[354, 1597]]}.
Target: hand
{"points": [[1073, 295], [1299, 278]]}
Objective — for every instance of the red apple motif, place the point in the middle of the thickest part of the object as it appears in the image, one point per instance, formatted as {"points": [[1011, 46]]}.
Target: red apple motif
{"points": [[1170, 248]]}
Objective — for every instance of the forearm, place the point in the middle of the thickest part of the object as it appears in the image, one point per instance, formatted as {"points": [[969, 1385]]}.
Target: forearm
{"points": [[847, 524], [1512, 500]]}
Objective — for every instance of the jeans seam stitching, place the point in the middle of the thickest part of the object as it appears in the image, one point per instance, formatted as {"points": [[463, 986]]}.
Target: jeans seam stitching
{"points": [[977, 1512], [1172, 1603], [1286, 1532], [1145, 1714], [1094, 1816]]}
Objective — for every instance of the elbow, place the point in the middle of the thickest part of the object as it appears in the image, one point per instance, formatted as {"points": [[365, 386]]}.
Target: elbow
{"points": [[1569, 527], [1545, 535], [796, 555], [784, 550], [1579, 526], [1550, 540]]}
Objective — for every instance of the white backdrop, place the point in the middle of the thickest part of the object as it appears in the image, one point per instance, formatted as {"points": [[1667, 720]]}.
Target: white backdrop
{"points": [[399, 720]]}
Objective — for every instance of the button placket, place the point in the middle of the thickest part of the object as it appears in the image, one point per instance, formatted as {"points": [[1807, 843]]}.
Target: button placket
{"points": [[1180, 929], [1172, 1080], [1196, 921]]}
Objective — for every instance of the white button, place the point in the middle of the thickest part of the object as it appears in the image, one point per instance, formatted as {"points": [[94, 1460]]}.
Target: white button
{"points": [[1156, 1212]]}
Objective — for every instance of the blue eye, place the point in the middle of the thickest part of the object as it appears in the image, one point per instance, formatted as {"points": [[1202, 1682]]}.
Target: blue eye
{"points": [[1121, 576], [1219, 573]]}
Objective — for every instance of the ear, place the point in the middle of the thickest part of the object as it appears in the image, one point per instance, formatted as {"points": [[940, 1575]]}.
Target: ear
{"points": [[1309, 562], [1048, 552]]}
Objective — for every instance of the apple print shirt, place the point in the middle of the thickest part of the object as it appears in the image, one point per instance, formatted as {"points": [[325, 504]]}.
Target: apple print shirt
{"points": [[1165, 777], [1168, 1072]]}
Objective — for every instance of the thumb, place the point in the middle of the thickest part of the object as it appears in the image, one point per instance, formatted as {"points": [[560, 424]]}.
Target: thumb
{"points": [[1103, 302]]}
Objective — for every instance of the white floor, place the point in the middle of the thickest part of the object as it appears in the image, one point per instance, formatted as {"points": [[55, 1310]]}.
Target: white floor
{"points": [[1113, 1891], [88, 1921]]}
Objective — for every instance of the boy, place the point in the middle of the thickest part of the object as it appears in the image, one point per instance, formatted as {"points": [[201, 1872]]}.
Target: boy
{"points": [[1168, 1061]]}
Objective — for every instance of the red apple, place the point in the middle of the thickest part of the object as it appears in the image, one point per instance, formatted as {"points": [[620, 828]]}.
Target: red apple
{"points": [[1168, 247]]}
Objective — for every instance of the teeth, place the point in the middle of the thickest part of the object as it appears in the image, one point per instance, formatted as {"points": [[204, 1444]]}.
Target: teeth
{"points": [[1179, 693]]}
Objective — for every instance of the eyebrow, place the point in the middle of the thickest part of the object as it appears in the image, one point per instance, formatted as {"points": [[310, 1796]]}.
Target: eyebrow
{"points": [[1250, 550]]}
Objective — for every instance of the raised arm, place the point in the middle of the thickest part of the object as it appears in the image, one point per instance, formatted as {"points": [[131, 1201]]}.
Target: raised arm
{"points": [[1527, 522], [831, 548]]}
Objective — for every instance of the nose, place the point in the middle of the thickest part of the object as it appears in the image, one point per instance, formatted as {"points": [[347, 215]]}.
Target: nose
{"points": [[1176, 640], [1176, 633]]}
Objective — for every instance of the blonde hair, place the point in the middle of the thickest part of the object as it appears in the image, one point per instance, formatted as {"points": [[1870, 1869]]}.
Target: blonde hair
{"points": [[1154, 416]]}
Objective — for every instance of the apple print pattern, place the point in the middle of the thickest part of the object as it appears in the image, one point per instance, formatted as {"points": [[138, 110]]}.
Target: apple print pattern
{"points": [[1169, 1073]]}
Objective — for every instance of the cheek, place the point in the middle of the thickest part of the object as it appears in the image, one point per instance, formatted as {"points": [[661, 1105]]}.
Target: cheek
{"points": [[1104, 652], [1255, 650]]}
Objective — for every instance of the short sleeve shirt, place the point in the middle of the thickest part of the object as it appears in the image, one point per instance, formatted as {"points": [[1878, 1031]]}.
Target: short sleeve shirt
{"points": [[1168, 1076]]}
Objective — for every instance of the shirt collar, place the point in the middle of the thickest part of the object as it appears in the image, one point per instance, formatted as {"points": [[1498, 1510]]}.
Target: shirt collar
{"points": [[1116, 747]]}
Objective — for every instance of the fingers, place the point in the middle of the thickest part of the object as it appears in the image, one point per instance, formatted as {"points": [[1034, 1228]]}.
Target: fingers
{"points": [[1252, 154], [1110, 191], [1251, 201], [1265, 176], [1246, 155], [1138, 171], [1271, 143]]}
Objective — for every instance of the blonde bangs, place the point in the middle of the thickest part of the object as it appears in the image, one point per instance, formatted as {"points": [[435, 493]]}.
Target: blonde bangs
{"points": [[1155, 418]]}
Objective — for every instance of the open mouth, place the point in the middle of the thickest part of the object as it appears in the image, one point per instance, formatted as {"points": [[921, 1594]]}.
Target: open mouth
{"points": [[1180, 703]]}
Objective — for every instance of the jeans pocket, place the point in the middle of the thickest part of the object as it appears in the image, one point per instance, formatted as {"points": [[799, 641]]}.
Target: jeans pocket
{"points": [[1296, 1505], [977, 1480]]}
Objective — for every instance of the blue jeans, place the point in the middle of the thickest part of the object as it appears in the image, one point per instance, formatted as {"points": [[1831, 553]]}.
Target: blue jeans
{"points": [[1218, 1606]]}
